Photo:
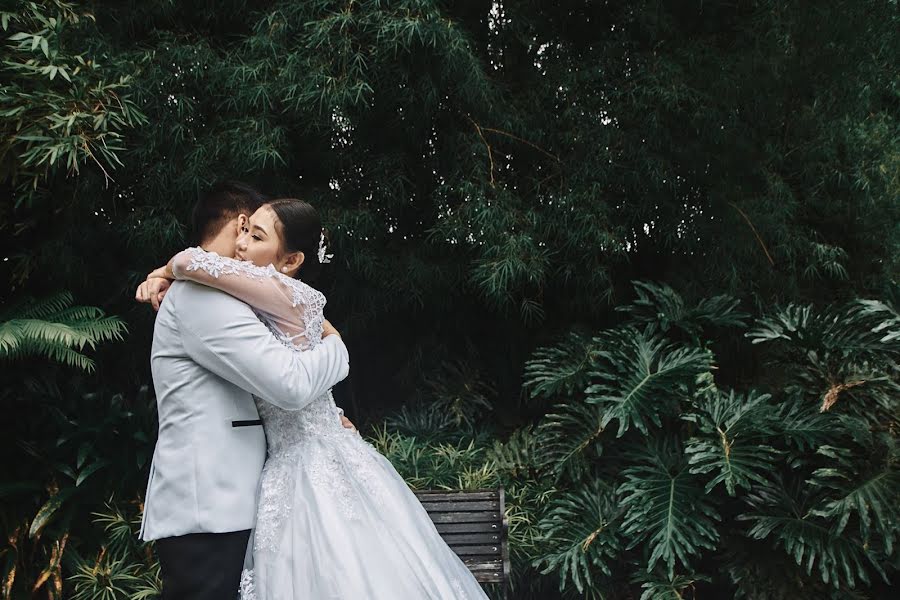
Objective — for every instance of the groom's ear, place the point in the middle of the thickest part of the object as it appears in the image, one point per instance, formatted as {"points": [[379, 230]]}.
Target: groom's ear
{"points": [[242, 222]]}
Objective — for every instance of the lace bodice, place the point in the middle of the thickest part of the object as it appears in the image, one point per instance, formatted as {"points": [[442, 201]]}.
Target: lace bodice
{"points": [[285, 429], [293, 311]]}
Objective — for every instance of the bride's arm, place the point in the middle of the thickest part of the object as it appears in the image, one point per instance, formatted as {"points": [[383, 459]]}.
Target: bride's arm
{"points": [[263, 288]]}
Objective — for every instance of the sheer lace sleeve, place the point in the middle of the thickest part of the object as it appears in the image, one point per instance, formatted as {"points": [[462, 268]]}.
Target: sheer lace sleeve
{"points": [[294, 307]]}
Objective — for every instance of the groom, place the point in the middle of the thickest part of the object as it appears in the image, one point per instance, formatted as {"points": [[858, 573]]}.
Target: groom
{"points": [[210, 353]]}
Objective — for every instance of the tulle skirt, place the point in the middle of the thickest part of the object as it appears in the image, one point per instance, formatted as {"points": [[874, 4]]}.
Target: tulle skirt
{"points": [[337, 522]]}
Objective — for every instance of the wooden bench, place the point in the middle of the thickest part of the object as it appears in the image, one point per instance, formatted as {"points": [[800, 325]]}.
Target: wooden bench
{"points": [[475, 527]]}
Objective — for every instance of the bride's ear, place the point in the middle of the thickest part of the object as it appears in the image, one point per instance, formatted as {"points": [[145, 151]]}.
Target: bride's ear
{"points": [[293, 261], [242, 222]]}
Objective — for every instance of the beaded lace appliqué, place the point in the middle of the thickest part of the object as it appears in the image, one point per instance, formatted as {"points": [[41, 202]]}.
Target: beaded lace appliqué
{"points": [[247, 590], [275, 497]]}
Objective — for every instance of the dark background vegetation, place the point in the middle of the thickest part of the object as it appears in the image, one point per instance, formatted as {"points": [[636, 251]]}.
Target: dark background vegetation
{"points": [[637, 261]]}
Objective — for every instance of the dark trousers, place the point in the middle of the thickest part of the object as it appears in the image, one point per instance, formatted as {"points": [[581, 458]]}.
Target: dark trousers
{"points": [[202, 566]]}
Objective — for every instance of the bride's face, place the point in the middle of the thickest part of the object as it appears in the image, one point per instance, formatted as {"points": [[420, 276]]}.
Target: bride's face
{"points": [[260, 241]]}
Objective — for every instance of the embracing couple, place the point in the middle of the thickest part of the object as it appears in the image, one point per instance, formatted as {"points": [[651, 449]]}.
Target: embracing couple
{"points": [[259, 485]]}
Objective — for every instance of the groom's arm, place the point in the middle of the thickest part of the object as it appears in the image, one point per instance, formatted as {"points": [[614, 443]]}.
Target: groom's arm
{"points": [[224, 335]]}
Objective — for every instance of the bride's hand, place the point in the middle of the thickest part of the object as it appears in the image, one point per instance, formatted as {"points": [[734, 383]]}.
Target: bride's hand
{"points": [[152, 291]]}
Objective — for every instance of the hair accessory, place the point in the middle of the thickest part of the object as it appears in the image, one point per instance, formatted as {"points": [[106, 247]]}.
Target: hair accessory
{"points": [[323, 258]]}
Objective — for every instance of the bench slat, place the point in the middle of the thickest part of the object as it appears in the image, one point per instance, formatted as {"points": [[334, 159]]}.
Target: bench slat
{"points": [[469, 539], [468, 528], [492, 550], [474, 563], [480, 564], [465, 517], [461, 506], [432, 496]]}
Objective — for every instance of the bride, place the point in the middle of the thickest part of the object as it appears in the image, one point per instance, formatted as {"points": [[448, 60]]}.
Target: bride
{"points": [[335, 519]]}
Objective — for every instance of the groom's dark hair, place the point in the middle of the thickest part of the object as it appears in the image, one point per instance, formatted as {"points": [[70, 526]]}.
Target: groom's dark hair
{"points": [[221, 203]]}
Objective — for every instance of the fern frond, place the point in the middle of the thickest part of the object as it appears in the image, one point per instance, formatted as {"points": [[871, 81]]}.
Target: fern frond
{"points": [[54, 329], [28, 308]]}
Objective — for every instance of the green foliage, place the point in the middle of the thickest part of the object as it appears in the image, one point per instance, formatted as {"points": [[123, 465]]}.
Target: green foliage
{"points": [[122, 570], [782, 515], [662, 306], [58, 108], [870, 495], [666, 508], [569, 437], [818, 486], [579, 537], [97, 444], [842, 354], [493, 175], [52, 328], [545, 375], [668, 588], [731, 439], [641, 375], [441, 465]]}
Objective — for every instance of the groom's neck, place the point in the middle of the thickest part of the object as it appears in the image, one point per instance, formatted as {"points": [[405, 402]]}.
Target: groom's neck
{"points": [[222, 244]]}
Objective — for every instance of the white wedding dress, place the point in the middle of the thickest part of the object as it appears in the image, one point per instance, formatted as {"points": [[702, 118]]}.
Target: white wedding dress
{"points": [[336, 521]]}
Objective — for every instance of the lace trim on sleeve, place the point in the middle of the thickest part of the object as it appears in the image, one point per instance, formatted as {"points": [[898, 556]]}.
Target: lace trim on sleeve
{"points": [[311, 299], [217, 265]]}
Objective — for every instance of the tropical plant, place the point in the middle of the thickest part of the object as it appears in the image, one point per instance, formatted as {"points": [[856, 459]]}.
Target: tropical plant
{"points": [[492, 175], [817, 483]]}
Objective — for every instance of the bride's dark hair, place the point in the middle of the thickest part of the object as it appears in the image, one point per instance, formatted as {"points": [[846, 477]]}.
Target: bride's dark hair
{"points": [[301, 228]]}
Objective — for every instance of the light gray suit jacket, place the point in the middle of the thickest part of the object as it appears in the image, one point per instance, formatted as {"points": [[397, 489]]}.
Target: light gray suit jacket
{"points": [[210, 353]]}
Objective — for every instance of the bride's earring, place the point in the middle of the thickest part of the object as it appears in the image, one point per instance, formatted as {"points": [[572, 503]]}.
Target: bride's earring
{"points": [[284, 269]]}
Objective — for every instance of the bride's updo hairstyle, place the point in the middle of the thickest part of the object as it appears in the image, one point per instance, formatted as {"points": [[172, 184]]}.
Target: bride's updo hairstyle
{"points": [[300, 228]]}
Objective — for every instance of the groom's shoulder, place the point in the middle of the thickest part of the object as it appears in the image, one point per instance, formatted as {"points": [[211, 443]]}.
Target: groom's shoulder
{"points": [[189, 297]]}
